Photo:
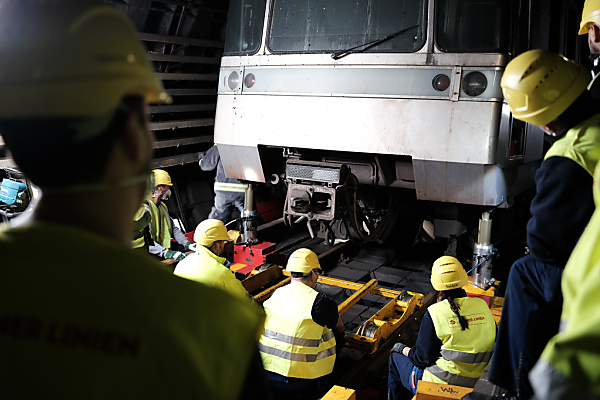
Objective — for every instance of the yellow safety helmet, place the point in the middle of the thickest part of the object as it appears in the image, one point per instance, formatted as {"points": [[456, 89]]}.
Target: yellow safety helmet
{"points": [[591, 13], [209, 231], [161, 177], [70, 59], [539, 85], [448, 273], [303, 260]]}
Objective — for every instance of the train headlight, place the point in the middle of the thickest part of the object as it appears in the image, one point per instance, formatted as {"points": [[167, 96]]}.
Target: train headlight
{"points": [[474, 84], [441, 82], [233, 80], [249, 80]]}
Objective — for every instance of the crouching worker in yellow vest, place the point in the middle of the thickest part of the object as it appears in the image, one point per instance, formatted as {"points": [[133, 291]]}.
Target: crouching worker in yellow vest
{"points": [[162, 228], [302, 330], [455, 340], [205, 265]]}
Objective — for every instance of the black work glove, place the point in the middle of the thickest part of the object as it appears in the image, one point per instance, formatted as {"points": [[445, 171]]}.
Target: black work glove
{"points": [[398, 348]]}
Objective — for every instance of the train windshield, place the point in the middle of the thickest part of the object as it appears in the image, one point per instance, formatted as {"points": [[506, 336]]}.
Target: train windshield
{"points": [[473, 25], [244, 26], [321, 26]]}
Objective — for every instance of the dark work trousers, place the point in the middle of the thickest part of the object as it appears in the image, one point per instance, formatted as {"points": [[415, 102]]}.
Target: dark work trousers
{"points": [[402, 375], [530, 317], [284, 388], [224, 204]]}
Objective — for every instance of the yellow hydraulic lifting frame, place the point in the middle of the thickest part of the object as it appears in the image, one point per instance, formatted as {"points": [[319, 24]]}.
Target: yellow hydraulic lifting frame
{"points": [[369, 336]]}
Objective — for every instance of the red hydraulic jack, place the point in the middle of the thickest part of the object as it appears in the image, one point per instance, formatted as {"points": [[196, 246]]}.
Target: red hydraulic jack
{"points": [[252, 252]]}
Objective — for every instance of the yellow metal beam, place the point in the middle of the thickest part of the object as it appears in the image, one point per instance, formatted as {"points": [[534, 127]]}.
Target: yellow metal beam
{"points": [[356, 296], [356, 286], [256, 281], [264, 295]]}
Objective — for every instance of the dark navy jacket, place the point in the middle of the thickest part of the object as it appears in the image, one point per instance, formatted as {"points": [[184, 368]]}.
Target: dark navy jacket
{"points": [[560, 210]]}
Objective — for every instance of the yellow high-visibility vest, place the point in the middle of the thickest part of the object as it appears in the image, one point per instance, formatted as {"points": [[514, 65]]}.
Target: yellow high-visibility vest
{"points": [[292, 344], [464, 354], [580, 144], [141, 220], [161, 224], [117, 326], [206, 267]]}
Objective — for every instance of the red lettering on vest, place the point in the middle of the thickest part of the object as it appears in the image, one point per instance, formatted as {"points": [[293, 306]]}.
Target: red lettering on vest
{"points": [[472, 319]]}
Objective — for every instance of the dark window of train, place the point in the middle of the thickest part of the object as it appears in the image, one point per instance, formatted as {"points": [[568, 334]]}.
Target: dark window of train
{"points": [[516, 143], [322, 26], [473, 25], [244, 26]]}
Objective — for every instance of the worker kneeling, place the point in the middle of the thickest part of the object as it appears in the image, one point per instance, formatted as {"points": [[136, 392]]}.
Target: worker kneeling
{"points": [[302, 330], [455, 340], [205, 265]]}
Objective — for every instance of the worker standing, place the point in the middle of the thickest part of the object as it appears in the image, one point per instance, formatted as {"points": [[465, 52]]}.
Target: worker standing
{"points": [[229, 192], [303, 331], [547, 90], [205, 265], [590, 20], [99, 320], [162, 228], [568, 368], [455, 341]]}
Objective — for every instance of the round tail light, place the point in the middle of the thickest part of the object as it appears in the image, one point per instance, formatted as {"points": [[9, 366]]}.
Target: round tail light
{"points": [[441, 82], [249, 80]]}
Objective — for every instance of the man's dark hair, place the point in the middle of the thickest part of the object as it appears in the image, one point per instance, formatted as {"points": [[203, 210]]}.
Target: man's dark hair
{"points": [[43, 148], [581, 109]]}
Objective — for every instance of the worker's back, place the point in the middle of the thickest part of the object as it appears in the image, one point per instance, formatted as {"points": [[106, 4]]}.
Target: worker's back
{"points": [[104, 321], [465, 353]]}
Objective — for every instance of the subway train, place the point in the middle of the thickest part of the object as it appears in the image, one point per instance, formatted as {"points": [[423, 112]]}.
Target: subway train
{"points": [[360, 105]]}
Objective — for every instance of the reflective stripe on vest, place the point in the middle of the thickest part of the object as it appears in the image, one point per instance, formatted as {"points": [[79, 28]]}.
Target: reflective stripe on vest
{"points": [[139, 242], [230, 187], [305, 358], [451, 378], [296, 341], [467, 358], [293, 345]]}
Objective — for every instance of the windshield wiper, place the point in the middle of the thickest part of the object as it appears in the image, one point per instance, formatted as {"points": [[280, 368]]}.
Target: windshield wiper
{"points": [[344, 53]]}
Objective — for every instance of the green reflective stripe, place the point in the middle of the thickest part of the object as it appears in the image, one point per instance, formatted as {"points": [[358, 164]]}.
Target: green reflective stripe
{"points": [[466, 358], [139, 242], [451, 378], [296, 341], [286, 355], [231, 187]]}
